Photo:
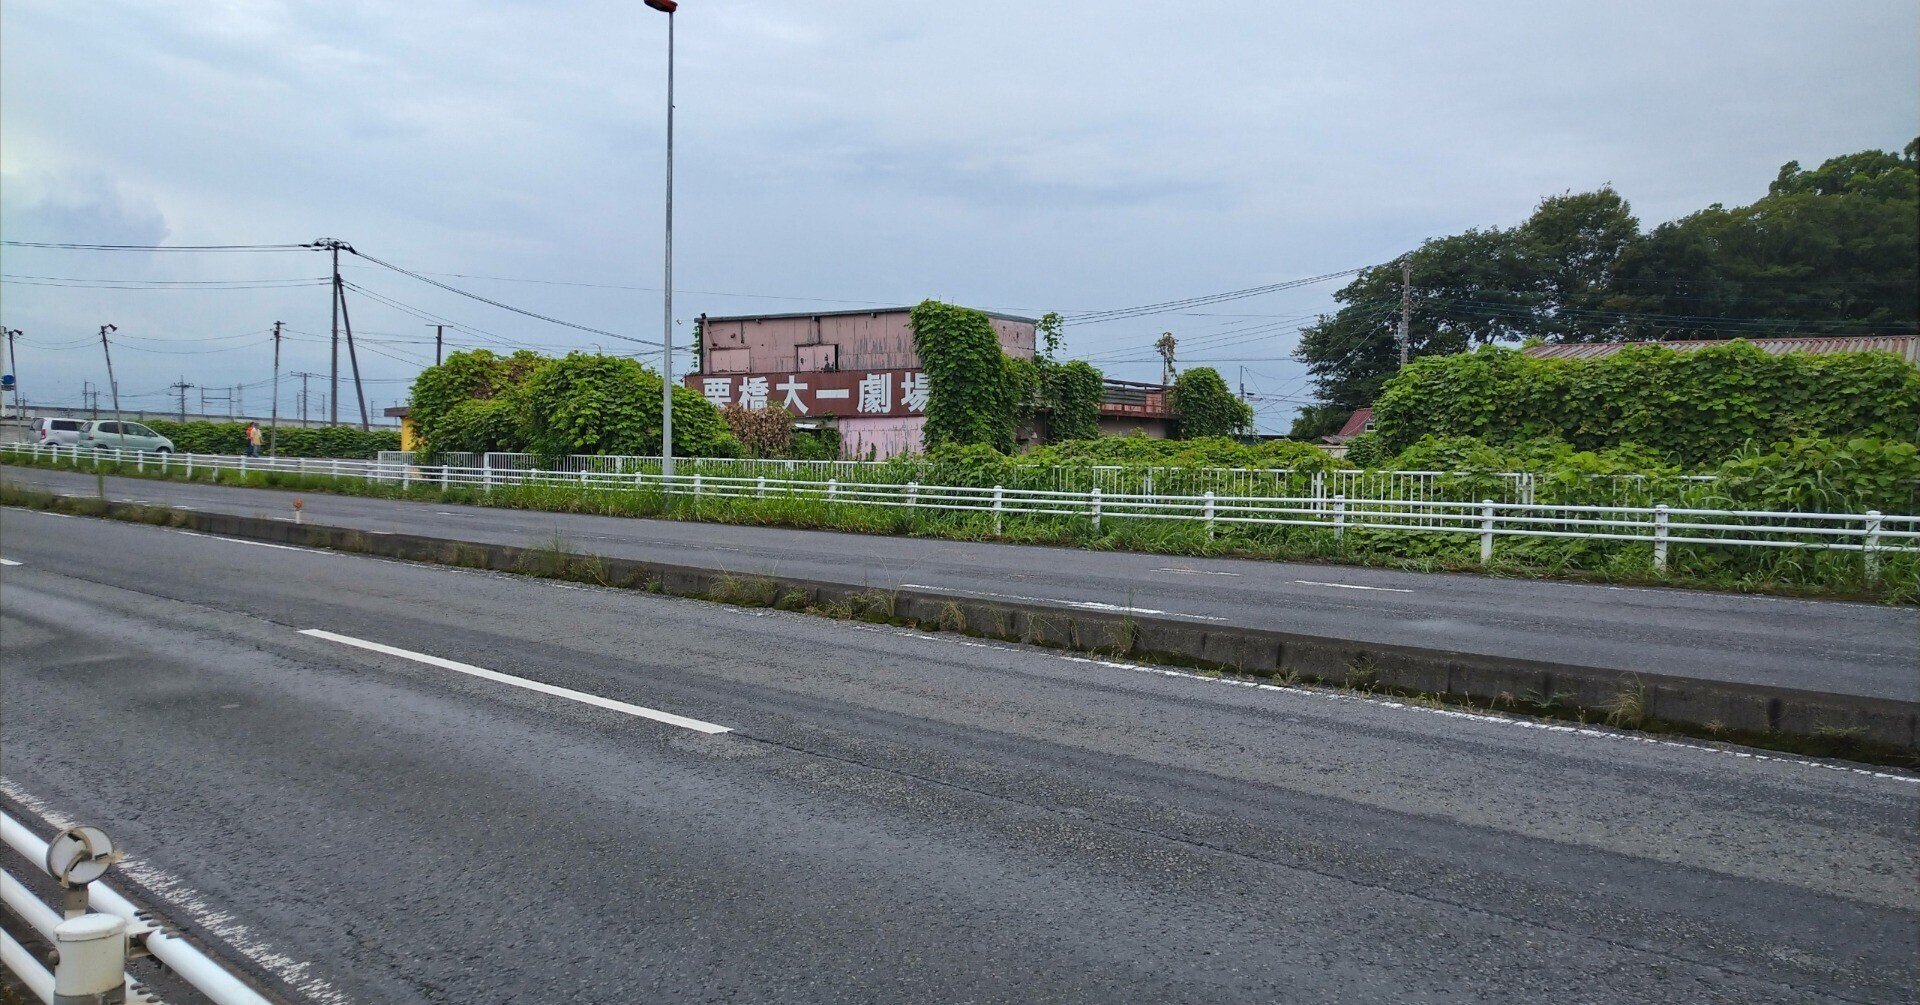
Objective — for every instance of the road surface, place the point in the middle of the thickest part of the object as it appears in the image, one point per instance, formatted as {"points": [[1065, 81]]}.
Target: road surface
{"points": [[355, 775], [1829, 646]]}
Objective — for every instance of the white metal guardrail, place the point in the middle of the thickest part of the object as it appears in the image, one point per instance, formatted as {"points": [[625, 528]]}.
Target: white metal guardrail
{"points": [[97, 929], [1512, 486], [1660, 526]]}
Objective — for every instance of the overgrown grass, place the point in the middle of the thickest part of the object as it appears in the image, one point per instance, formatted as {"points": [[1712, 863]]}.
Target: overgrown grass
{"points": [[1810, 571]]}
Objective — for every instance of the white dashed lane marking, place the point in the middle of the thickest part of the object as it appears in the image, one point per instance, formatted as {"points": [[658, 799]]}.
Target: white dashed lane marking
{"points": [[521, 682], [1350, 586]]}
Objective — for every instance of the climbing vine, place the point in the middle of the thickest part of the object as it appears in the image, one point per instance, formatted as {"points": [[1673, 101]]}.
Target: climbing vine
{"points": [[1207, 407], [1691, 407], [969, 399]]}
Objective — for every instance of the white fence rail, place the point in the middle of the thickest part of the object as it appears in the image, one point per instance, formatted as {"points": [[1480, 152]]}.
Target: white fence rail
{"points": [[193, 966], [1427, 486], [1659, 526]]}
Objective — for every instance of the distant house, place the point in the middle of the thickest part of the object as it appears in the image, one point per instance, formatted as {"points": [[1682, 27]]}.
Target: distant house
{"points": [[1906, 347], [1361, 421]]}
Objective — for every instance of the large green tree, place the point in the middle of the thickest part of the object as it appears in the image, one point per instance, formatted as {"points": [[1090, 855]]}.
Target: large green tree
{"points": [[1827, 250], [1207, 407]]}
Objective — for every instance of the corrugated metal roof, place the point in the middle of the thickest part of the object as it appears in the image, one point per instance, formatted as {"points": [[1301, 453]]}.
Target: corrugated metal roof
{"points": [[865, 310], [1356, 423], [1907, 347]]}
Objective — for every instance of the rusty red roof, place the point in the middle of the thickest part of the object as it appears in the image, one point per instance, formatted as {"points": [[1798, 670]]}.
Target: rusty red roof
{"points": [[1907, 347], [1356, 424]]}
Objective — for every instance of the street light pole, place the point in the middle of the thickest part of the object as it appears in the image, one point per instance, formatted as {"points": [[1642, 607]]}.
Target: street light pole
{"points": [[666, 335]]}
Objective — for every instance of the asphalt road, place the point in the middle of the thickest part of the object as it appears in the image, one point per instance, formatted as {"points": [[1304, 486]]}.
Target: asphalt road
{"points": [[1828, 646], [890, 817]]}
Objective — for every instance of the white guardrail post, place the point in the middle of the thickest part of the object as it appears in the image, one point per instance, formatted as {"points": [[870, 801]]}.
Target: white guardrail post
{"points": [[1094, 505], [1209, 514], [913, 495], [999, 509], [760, 487], [1660, 518], [94, 940], [1339, 516], [1870, 545], [1486, 531]]}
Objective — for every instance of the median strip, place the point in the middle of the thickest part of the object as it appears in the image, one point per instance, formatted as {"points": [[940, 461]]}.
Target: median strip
{"points": [[1857, 726], [521, 682]]}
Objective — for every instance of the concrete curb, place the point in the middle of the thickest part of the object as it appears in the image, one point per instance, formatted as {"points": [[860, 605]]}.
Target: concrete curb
{"points": [[1698, 704]]}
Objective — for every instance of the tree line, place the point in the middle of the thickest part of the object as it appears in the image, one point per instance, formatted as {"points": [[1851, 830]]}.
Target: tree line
{"points": [[1833, 250]]}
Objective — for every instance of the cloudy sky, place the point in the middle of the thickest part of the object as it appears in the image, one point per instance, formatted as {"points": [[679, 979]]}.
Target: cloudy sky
{"points": [[1070, 155]]}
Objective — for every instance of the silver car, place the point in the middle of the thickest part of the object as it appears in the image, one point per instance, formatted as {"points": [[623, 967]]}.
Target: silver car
{"points": [[123, 436], [60, 432]]}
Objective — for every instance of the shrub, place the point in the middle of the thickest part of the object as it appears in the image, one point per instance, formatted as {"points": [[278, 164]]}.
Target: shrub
{"points": [[480, 425], [1206, 406], [1690, 407], [586, 403], [1073, 391], [289, 441], [762, 432], [463, 377]]}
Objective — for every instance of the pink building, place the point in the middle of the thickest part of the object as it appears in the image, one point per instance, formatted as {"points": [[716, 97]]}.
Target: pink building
{"points": [[859, 370]]}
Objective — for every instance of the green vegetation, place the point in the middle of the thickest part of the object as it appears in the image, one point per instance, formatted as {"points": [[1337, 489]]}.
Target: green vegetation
{"points": [[1833, 250], [290, 441], [969, 400], [581, 403], [1844, 474], [1685, 407], [1207, 406]]}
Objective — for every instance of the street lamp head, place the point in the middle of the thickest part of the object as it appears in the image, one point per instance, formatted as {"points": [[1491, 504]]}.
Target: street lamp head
{"points": [[664, 6]]}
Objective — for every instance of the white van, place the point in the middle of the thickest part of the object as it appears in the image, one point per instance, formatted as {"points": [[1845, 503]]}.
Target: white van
{"points": [[64, 432]]}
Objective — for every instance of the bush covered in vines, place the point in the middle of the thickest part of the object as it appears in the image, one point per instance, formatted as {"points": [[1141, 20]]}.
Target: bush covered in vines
{"points": [[289, 441], [969, 400], [1692, 408]]}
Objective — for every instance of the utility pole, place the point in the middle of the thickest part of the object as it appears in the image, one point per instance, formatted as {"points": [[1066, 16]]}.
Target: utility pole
{"points": [[1406, 303], [13, 367], [667, 7], [303, 375], [339, 299], [112, 385], [353, 359], [273, 423], [180, 387], [439, 337]]}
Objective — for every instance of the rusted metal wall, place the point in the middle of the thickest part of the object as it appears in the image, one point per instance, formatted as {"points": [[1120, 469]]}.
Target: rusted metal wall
{"points": [[881, 438], [875, 340]]}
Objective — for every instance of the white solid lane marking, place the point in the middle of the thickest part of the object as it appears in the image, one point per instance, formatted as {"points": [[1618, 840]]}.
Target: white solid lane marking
{"points": [[532, 685], [257, 544], [1089, 605], [8, 561], [1197, 572], [1350, 586]]}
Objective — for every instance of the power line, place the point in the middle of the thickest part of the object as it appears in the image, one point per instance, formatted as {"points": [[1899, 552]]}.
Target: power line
{"points": [[152, 247], [1169, 306], [491, 302]]}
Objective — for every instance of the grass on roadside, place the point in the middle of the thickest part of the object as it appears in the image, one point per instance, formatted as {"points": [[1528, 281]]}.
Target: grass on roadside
{"points": [[1810, 571]]}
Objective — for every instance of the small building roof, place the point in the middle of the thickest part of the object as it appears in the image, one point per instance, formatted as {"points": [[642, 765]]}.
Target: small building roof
{"points": [[1357, 422], [1907, 347], [867, 310]]}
